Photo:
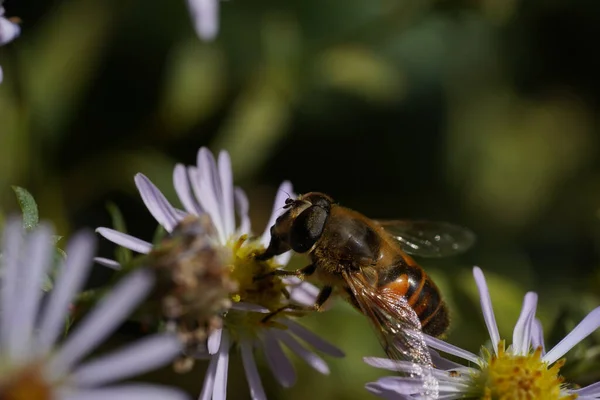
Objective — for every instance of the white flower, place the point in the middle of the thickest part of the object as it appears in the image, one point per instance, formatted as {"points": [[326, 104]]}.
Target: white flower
{"points": [[208, 189], [524, 370], [9, 30], [205, 17], [31, 365]]}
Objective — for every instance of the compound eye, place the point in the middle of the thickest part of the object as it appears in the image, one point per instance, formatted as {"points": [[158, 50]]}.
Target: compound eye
{"points": [[307, 228], [288, 202], [320, 201]]}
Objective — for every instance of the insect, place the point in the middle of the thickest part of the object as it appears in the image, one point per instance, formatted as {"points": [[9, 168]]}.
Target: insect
{"points": [[368, 261]]}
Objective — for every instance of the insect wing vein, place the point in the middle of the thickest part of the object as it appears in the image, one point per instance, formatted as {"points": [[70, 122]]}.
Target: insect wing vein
{"points": [[396, 324], [429, 238]]}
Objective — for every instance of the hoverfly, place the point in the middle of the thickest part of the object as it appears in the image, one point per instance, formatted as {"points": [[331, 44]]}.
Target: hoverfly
{"points": [[369, 262]]}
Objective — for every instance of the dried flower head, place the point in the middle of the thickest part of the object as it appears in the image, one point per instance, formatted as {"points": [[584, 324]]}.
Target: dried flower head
{"points": [[194, 284]]}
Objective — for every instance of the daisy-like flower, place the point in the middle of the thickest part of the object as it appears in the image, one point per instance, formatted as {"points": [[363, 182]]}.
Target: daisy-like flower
{"points": [[9, 30], [32, 367], [207, 190], [205, 17], [523, 370]]}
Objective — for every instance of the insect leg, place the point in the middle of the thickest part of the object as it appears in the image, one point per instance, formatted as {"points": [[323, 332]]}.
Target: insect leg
{"points": [[306, 271], [322, 297]]}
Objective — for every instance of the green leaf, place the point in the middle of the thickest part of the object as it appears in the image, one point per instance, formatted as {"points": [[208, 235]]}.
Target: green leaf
{"points": [[116, 216], [122, 254], [159, 235], [60, 255], [59, 259], [47, 284], [28, 207]]}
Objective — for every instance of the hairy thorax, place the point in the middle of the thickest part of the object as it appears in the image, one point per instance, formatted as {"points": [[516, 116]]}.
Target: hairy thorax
{"points": [[347, 244]]}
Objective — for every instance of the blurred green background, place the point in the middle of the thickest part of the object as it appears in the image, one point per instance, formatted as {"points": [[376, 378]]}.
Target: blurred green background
{"points": [[482, 113]]}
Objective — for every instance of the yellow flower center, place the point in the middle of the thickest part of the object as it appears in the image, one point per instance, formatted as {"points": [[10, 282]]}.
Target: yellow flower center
{"points": [[522, 377], [268, 291], [25, 384]]}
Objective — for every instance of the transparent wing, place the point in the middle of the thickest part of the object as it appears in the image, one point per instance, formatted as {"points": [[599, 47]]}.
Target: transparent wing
{"points": [[429, 238], [399, 331], [396, 324]]}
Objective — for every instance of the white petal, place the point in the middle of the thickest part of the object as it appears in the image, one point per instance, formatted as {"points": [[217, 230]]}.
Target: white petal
{"points": [[374, 388], [180, 214], [241, 201], [401, 386], [256, 388], [207, 202], [311, 358], [301, 292], [143, 356], [184, 192], [220, 386], [590, 390], [205, 16], [197, 191], [591, 397], [209, 379], [101, 321], [133, 391], [11, 248], [415, 386], [312, 338], [441, 363], [280, 365], [107, 262], [402, 366], [8, 30], [214, 341], [158, 205], [537, 335], [486, 307], [241, 306], [71, 279], [125, 240], [284, 191], [588, 325], [283, 258], [451, 349], [226, 180], [523, 327], [204, 183], [35, 261]]}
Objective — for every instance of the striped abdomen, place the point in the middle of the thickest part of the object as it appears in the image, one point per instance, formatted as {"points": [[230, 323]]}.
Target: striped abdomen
{"points": [[405, 278]]}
